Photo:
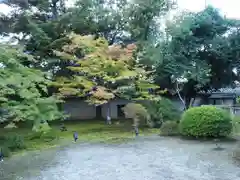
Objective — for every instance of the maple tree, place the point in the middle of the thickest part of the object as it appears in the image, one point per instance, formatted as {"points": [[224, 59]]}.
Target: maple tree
{"points": [[101, 72]]}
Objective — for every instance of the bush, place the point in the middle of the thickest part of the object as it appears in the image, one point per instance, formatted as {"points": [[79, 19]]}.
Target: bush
{"points": [[205, 121], [49, 136], [161, 111], [34, 135], [44, 136], [138, 113], [41, 127], [6, 151], [15, 142], [169, 128]]}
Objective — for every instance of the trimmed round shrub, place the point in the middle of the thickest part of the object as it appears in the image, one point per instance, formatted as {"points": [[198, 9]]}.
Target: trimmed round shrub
{"points": [[205, 121], [169, 128]]}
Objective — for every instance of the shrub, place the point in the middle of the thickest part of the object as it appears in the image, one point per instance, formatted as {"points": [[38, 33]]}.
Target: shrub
{"points": [[41, 127], [44, 136], [138, 113], [15, 142], [34, 135], [49, 136], [6, 151], [205, 121], [169, 128], [161, 111]]}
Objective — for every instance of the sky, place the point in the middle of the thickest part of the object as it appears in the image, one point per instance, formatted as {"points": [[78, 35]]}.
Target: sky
{"points": [[230, 8]]}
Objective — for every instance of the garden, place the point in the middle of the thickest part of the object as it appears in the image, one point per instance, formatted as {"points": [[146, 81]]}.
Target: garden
{"points": [[161, 138], [99, 51], [160, 117]]}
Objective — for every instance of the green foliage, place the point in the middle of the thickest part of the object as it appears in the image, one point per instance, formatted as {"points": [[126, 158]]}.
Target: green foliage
{"points": [[45, 29], [23, 90], [49, 136], [43, 136], [102, 72], [162, 110], [169, 128], [46, 136], [15, 142], [5, 150], [205, 121], [194, 46], [41, 127], [138, 113], [238, 99], [144, 26], [34, 136]]}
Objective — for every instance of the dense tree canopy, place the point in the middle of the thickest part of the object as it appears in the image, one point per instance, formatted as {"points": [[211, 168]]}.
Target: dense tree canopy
{"points": [[100, 72], [101, 49], [197, 49], [42, 29], [23, 90]]}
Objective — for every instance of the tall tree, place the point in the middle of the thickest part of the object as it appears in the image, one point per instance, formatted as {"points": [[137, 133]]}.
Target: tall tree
{"points": [[43, 25], [144, 16], [196, 50], [23, 90], [101, 72]]}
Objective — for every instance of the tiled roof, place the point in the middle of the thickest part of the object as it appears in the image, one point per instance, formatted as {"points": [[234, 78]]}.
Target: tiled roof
{"points": [[229, 90], [217, 95]]}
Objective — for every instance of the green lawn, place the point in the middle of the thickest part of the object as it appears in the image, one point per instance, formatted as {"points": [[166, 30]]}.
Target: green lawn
{"points": [[88, 131]]}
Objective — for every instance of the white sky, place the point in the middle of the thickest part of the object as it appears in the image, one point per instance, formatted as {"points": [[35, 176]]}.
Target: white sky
{"points": [[228, 7]]}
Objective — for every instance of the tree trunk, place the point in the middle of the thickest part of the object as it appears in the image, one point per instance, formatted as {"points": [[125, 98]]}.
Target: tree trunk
{"points": [[192, 101], [180, 97], [189, 102]]}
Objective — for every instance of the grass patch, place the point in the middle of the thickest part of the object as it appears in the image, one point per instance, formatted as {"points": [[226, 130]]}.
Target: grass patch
{"points": [[88, 131]]}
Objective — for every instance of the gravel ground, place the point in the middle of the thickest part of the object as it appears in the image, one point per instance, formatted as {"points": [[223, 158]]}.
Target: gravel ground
{"points": [[147, 158]]}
